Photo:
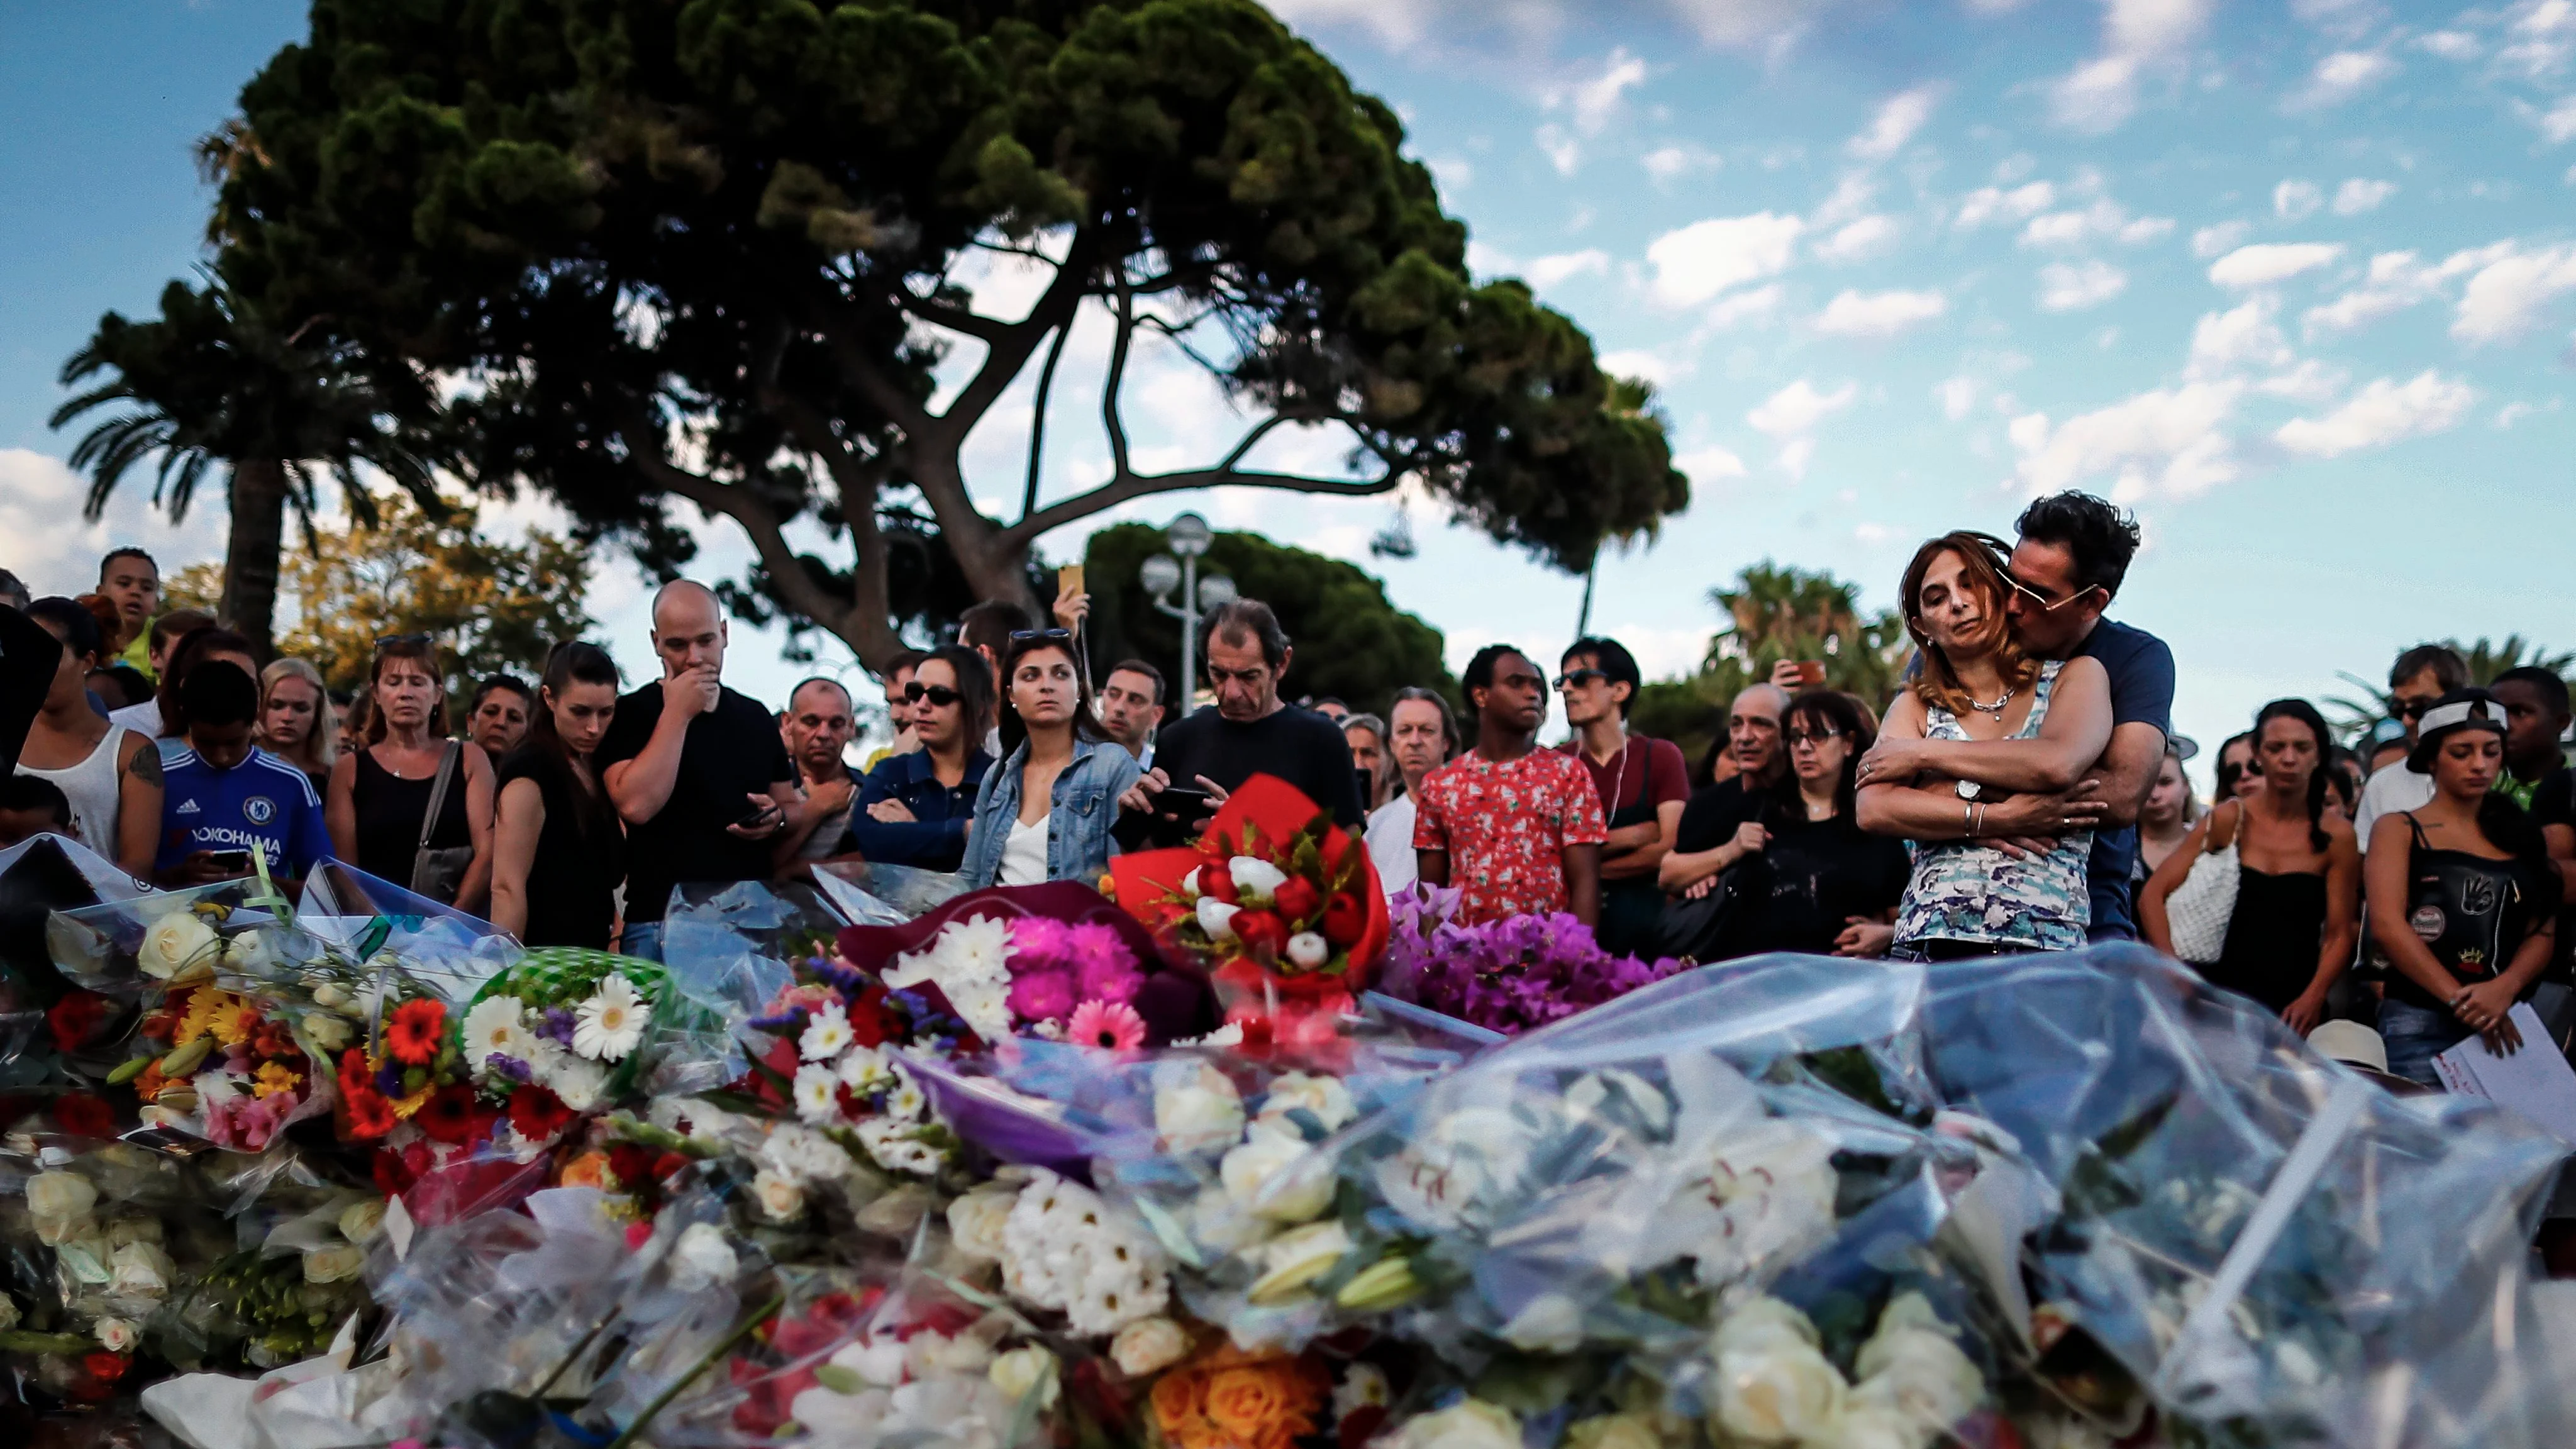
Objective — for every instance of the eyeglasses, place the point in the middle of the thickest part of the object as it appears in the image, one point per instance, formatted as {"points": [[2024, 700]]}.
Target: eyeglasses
{"points": [[2042, 600], [938, 694], [1023, 636], [2411, 708], [1580, 679], [1810, 737]]}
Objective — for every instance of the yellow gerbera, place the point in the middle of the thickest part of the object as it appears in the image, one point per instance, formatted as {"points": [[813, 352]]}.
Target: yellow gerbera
{"points": [[275, 1078]]}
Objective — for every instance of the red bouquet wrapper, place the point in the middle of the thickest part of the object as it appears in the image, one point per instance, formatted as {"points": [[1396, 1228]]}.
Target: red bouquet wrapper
{"points": [[1261, 990]]}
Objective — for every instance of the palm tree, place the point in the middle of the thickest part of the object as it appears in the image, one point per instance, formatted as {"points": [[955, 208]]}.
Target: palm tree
{"points": [[1777, 613], [211, 384], [2354, 717]]}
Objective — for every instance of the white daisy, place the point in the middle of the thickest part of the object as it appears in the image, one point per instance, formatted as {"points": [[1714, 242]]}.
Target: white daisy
{"points": [[863, 1068], [611, 1022], [907, 1101], [497, 1024], [826, 1032], [817, 1093]]}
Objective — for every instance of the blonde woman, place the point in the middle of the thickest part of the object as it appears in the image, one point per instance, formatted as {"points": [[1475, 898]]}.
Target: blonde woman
{"points": [[295, 721]]}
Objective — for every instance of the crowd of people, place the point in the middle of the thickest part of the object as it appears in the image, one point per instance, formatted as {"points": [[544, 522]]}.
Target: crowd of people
{"points": [[2024, 791]]}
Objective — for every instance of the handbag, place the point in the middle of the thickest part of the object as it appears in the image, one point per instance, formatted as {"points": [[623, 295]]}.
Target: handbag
{"points": [[2197, 912], [440, 874], [1705, 929]]}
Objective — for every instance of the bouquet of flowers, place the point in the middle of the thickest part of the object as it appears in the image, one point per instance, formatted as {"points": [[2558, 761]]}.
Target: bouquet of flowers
{"points": [[1508, 975]]}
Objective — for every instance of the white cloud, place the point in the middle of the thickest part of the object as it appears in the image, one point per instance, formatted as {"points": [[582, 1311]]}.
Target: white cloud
{"points": [[1594, 101], [1993, 203], [1697, 262], [1750, 305], [1859, 241], [2545, 28], [2265, 263], [2171, 441], [1397, 22], [2450, 44], [1637, 362], [2310, 382], [1548, 271], [1879, 314], [2386, 411], [2138, 37], [1748, 24], [1850, 198], [54, 550], [2104, 219], [2072, 287], [2296, 200], [2223, 236], [1797, 408], [2394, 282], [1897, 119], [1454, 173], [1667, 164], [1701, 464], [1958, 397], [1561, 149], [2235, 340], [2341, 76], [2361, 194], [2558, 123], [2505, 297], [1795, 455]]}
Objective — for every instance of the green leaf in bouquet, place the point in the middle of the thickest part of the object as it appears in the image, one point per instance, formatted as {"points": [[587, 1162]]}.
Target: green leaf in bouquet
{"points": [[1534, 1384], [738, 1103]]}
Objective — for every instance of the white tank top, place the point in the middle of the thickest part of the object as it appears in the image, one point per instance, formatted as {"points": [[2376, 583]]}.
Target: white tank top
{"points": [[91, 787], [1024, 854]]}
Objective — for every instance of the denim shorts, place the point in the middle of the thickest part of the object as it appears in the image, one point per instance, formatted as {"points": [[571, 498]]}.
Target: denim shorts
{"points": [[2414, 1036], [642, 940]]}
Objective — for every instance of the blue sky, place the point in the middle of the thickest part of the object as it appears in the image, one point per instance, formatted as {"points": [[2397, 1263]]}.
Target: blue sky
{"points": [[2291, 280]]}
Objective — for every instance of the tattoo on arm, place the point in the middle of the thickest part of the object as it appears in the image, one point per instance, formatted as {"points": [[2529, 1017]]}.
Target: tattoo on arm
{"points": [[146, 764]]}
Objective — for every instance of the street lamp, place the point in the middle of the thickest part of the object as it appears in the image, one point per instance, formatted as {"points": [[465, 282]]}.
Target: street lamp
{"points": [[1189, 536]]}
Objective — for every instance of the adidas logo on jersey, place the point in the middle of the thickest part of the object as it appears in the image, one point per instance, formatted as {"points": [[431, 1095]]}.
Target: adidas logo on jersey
{"points": [[186, 807]]}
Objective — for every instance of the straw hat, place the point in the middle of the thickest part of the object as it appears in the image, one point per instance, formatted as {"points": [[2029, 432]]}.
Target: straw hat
{"points": [[2351, 1043]]}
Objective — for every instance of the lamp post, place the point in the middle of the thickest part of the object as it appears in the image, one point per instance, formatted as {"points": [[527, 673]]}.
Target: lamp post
{"points": [[1188, 536]]}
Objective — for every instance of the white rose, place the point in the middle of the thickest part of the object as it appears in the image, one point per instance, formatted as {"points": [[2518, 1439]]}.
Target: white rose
{"points": [[1148, 1345], [361, 1221], [329, 1032], [1297, 1258], [1278, 1177], [975, 1222], [1309, 950], [331, 1265], [1323, 1095], [174, 943], [1919, 1375], [835, 1418], [575, 1082], [780, 1199], [140, 1270], [1549, 1323], [1778, 1391], [116, 1335], [1026, 1371], [1467, 1424], [1255, 879], [929, 1354], [1196, 1108], [1760, 1322], [60, 1203], [875, 1360], [702, 1258], [1216, 918]]}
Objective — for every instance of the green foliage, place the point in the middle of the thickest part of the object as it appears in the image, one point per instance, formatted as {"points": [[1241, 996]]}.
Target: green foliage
{"points": [[752, 223], [1349, 641], [1775, 613]]}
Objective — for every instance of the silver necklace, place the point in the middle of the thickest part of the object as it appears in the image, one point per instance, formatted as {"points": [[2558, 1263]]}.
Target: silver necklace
{"points": [[1997, 708]]}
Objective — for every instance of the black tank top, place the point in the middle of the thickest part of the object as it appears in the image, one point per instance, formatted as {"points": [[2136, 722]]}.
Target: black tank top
{"points": [[2471, 912], [2273, 936], [389, 810]]}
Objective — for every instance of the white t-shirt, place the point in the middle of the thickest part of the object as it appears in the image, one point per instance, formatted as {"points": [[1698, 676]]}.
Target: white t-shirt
{"points": [[2394, 790], [1024, 854], [144, 719], [1390, 845]]}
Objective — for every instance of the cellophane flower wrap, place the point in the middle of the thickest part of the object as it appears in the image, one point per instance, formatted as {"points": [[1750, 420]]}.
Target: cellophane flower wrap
{"points": [[1509, 975], [1281, 904]]}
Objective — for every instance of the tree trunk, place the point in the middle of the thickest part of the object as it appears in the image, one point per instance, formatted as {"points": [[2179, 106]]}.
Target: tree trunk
{"points": [[993, 569], [251, 552]]}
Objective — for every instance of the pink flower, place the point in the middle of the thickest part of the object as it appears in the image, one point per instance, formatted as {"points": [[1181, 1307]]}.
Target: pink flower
{"points": [[257, 1119], [799, 998], [1041, 941], [1111, 1025], [1110, 981], [1099, 946], [1042, 995]]}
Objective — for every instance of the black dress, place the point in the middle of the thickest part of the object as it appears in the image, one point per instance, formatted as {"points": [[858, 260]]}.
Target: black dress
{"points": [[389, 810], [581, 856], [2272, 937]]}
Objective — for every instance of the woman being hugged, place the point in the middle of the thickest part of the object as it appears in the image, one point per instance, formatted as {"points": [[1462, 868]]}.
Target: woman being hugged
{"points": [[381, 794], [1045, 812], [2463, 898], [558, 848], [1993, 873], [2298, 874]]}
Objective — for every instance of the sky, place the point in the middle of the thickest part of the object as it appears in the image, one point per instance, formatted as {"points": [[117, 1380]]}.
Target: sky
{"points": [[2288, 278]]}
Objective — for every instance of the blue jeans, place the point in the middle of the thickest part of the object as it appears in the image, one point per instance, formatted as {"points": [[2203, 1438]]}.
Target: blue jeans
{"points": [[642, 940], [2415, 1036]]}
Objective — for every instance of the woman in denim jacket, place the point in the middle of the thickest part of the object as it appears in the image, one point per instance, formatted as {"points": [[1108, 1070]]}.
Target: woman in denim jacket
{"points": [[1045, 813]]}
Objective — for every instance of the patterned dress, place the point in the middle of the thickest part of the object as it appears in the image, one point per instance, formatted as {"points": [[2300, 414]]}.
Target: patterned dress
{"points": [[1964, 890], [1506, 827]]}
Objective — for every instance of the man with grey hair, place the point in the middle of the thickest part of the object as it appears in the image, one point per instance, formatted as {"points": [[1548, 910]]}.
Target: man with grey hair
{"points": [[821, 721], [1722, 823], [697, 770], [1249, 730], [1421, 736]]}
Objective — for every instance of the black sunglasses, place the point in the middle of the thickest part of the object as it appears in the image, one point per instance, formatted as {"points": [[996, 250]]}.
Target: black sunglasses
{"points": [[2412, 708], [1580, 678], [1023, 636], [938, 694]]}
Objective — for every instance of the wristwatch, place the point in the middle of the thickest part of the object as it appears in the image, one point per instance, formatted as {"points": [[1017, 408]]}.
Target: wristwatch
{"points": [[1970, 789]]}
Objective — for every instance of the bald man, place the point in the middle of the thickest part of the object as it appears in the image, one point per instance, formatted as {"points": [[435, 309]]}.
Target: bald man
{"points": [[697, 771], [1721, 825]]}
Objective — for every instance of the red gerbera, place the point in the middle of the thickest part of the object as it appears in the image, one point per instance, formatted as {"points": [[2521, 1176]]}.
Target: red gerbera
{"points": [[73, 1018], [353, 1066], [448, 1115], [872, 1022], [84, 1115], [413, 1035], [632, 1163], [536, 1113], [105, 1367], [370, 1115]]}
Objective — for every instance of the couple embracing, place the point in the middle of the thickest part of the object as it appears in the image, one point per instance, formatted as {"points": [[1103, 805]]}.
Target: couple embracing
{"points": [[2028, 736]]}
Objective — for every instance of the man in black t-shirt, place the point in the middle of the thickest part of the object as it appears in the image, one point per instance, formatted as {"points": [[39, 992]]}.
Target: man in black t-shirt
{"points": [[697, 771], [1248, 731]]}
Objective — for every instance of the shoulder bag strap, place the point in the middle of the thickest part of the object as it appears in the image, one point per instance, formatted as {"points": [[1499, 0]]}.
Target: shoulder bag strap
{"points": [[438, 793]]}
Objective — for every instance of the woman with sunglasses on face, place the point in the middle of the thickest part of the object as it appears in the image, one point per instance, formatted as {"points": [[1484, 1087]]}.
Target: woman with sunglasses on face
{"points": [[2298, 874], [2463, 898], [1995, 873], [1045, 813], [382, 793], [914, 808], [558, 848]]}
